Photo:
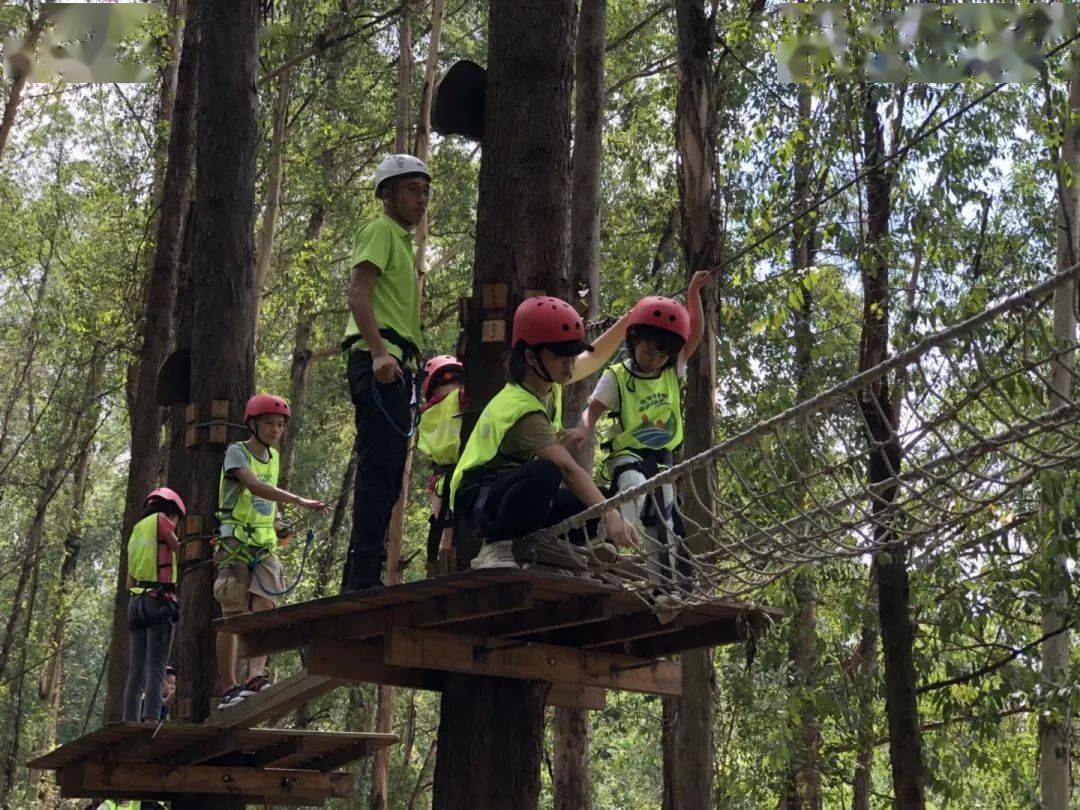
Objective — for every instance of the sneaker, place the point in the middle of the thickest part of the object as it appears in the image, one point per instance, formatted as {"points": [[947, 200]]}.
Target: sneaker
{"points": [[604, 553], [496, 555], [231, 697], [254, 685]]}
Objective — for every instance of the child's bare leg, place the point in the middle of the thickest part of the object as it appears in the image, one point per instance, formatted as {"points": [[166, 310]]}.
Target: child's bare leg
{"points": [[226, 644]]}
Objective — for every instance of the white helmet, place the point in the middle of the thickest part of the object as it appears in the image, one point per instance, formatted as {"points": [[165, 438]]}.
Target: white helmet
{"points": [[398, 165]]}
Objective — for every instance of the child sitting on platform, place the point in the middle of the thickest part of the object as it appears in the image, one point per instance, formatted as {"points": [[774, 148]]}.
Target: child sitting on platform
{"points": [[643, 395], [439, 438], [249, 575]]}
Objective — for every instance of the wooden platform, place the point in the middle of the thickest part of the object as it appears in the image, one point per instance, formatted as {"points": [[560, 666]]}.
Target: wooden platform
{"points": [[279, 766], [581, 635]]}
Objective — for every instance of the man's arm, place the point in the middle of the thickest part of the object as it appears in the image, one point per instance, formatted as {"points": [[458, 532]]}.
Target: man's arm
{"points": [[361, 287]]}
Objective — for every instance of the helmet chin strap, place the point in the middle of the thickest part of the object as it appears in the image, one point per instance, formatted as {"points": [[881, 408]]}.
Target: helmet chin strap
{"points": [[545, 375], [255, 432]]}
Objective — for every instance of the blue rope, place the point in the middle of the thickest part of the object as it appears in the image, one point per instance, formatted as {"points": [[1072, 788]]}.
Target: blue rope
{"points": [[254, 566], [414, 414]]}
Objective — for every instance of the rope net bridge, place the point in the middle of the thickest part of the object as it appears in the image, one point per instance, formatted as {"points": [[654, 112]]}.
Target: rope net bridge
{"points": [[972, 430]]}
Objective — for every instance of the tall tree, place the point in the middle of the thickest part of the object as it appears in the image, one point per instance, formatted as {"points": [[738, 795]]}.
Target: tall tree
{"points": [[570, 733], [222, 291], [491, 729], [884, 457], [156, 334], [695, 137], [1055, 725]]}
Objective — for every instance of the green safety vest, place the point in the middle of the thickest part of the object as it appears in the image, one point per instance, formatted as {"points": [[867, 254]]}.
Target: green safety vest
{"points": [[252, 518], [113, 804], [149, 559], [649, 413], [501, 414], [439, 431]]}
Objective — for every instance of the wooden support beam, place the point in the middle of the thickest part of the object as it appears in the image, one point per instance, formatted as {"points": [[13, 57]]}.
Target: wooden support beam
{"points": [[713, 634], [202, 751], [364, 663], [572, 696], [433, 649], [163, 781], [336, 759], [271, 703], [619, 629], [288, 748], [473, 604], [542, 617]]}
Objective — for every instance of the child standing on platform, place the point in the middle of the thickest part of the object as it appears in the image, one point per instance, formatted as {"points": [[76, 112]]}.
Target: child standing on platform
{"points": [[249, 575], [643, 395], [152, 605], [439, 438]]}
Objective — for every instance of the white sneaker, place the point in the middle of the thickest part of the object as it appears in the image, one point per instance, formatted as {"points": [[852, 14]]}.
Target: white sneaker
{"points": [[495, 555]]}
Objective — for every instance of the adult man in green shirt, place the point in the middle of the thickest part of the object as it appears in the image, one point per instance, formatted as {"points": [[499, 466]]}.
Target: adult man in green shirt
{"points": [[382, 345]]}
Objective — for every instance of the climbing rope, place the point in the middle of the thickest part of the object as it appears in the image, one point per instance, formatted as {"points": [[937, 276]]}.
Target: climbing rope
{"points": [[972, 432]]}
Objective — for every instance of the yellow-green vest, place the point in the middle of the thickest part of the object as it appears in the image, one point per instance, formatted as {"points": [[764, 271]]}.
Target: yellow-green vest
{"points": [[145, 553], [439, 431], [127, 804], [650, 411], [501, 414], [252, 518]]}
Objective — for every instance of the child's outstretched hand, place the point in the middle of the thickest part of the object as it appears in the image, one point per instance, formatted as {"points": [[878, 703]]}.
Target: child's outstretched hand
{"points": [[574, 438], [313, 505], [699, 281]]}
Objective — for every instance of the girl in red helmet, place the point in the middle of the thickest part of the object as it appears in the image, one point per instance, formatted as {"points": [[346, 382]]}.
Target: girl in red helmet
{"points": [[514, 477], [642, 393], [439, 438], [152, 552], [249, 576]]}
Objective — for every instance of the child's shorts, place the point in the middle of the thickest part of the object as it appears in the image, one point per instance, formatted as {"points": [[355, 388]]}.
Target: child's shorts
{"points": [[236, 582]]}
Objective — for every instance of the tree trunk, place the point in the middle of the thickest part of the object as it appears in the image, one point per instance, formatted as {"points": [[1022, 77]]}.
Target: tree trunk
{"points": [[695, 137], [11, 107], [570, 733], [804, 778], [1055, 725], [402, 122], [862, 675], [490, 729], [423, 129], [17, 693], [145, 463], [264, 252], [890, 567], [223, 291]]}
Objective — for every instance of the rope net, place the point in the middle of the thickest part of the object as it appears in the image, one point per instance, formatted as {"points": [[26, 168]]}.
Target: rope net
{"points": [[970, 429]]}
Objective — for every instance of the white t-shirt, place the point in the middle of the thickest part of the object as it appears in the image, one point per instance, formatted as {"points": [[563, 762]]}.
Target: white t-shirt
{"points": [[607, 387]]}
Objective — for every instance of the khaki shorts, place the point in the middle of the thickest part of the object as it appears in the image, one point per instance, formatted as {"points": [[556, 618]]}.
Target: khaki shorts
{"points": [[235, 583]]}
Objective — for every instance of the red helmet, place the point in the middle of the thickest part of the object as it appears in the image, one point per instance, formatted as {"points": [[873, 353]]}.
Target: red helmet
{"points": [[661, 313], [546, 320], [262, 404], [434, 367], [166, 494]]}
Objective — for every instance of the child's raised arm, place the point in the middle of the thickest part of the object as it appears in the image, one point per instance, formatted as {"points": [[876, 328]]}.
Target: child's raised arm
{"points": [[603, 347], [698, 282]]}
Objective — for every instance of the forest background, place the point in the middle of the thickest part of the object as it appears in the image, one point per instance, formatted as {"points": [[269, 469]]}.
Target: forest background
{"points": [[972, 218]]}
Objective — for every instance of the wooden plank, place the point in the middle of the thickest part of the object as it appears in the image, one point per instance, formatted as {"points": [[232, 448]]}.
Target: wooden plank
{"points": [[365, 663], [273, 702], [572, 696], [705, 635], [434, 649], [217, 746], [337, 759], [285, 749], [619, 629], [162, 781], [439, 609], [545, 616]]}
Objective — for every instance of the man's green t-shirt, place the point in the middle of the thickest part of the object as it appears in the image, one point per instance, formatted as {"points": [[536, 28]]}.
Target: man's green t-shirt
{"points": [[395, 299]]}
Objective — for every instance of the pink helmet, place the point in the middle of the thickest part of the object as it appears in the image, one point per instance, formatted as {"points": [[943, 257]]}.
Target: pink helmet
{"points": [[166, 494], [546, 320], [262, 404], [435, 366], [661, 313]]}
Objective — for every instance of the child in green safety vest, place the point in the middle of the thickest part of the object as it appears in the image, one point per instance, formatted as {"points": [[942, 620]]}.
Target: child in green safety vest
{"points": [[514, 477], [643, 395], [152, 606], [439, 438], [249, 576]]}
